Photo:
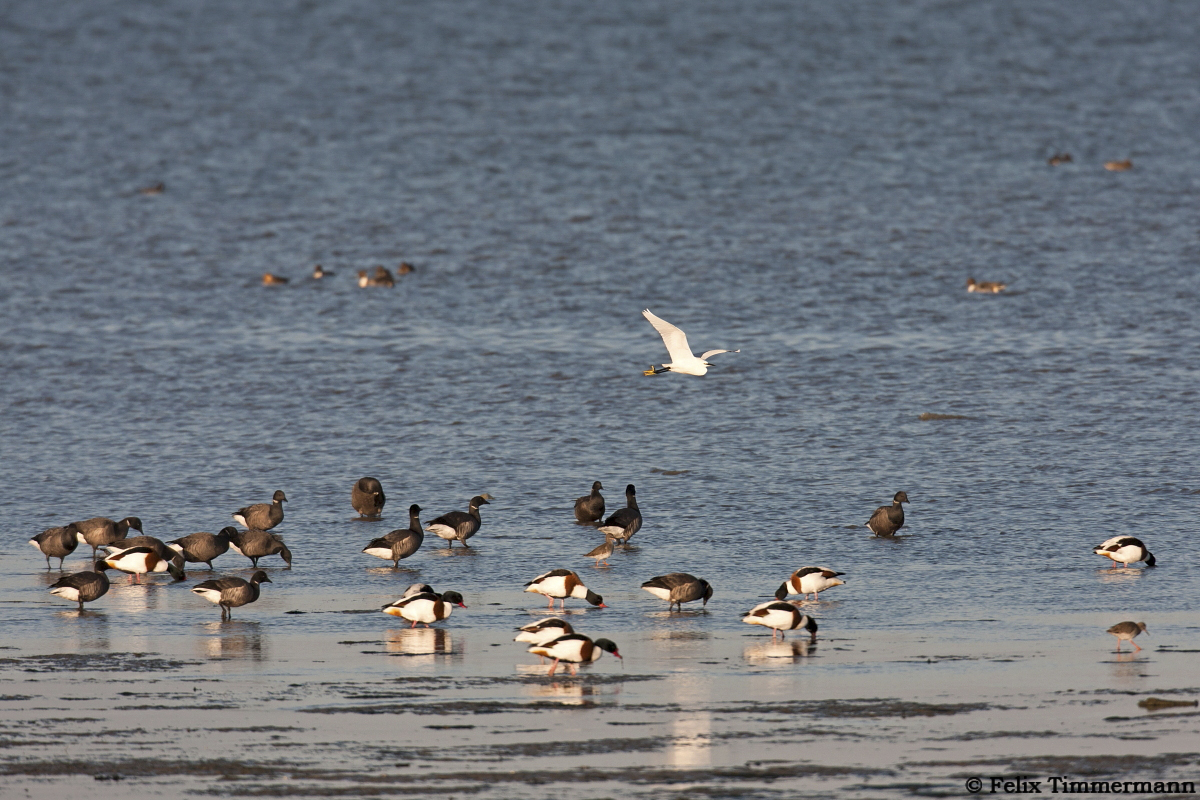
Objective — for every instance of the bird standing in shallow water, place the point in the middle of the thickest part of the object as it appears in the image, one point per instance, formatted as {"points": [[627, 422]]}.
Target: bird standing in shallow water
{"points": [[1125, 631], [682, 360], [426, 607], [460, 526], [809, 580], [590, 508], [624, 522], [367, 497], [678, 588], [399, 543], [888, 519], [574, 648], [561, 584], [601, 553], [780, 617], [229, 593], [255, 544], [57, 543], [101, 531], [82, 587], [1125, 550], [203, 547], [262, 516]]}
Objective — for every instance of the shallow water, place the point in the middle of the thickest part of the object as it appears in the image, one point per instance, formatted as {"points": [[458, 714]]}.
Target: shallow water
{"points": [[810, 184]]}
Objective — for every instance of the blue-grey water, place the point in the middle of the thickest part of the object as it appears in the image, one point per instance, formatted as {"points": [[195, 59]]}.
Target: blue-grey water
{"points": [[811, 183]]}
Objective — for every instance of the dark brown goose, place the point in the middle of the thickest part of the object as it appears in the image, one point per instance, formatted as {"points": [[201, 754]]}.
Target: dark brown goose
{"points": [[678, 588], [590, 508], [399, 543], [82, 587], [203, 547], [624, 522], [367, 497], [255, 544], [459, 525], [229, 593], [888, 519], [263, 516], [101, 531], [167, 559], [57, 543]]}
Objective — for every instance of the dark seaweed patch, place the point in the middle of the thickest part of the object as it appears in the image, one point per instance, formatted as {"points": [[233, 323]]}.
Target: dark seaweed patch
{"points": [[94, 662]]}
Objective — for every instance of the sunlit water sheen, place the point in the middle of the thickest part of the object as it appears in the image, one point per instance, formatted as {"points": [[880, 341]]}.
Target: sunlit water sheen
{"points": [[811, 183]]}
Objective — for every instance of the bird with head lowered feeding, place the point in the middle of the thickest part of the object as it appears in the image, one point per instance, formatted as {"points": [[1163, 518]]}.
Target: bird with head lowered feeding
{"points": [[676, 341]]}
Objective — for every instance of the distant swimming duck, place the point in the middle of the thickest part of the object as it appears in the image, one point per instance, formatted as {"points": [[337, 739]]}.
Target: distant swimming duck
{"points": [[985, 287], [590, 508], [399, 543], [101, 531], [263, 516], [82, 587], [603, 552], [458, 525], [1125, 631], [809, 580], [888, 519], [678, 588], [1059, 158], [57, 543], [320, 272], [229, 593], [780, 617], [574, 649], [157, 188], [560, 584], [624, 522], [273, 280], [1125, 550], [404, 268], [367, 497], [544, 631], [256, 543], [426, 607], [1118, 166], [203, 547]]}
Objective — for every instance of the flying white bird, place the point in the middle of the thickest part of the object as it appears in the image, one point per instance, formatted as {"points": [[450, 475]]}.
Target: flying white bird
{"points": [[676, 341]]}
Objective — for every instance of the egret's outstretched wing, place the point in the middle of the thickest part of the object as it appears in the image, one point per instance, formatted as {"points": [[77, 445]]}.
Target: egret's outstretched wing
{"points": [[708, 353], [675, 339]]}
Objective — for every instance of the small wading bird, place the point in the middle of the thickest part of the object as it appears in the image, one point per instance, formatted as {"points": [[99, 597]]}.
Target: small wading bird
{"points": [[676, 341], [809, 580], [229, 593], [574, 648], [1125, 631], [601, 553]]}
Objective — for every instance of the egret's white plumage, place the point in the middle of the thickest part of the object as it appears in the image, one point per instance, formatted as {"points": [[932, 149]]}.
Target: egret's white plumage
{"points": [[676, 341]]}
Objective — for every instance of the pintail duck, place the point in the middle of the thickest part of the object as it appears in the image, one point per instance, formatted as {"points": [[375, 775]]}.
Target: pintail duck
{"points": [[561, 584], [101, 531], [888, 519], [263, 516], [82, 587], [203, 547], [574, 648], [399, 543], [256, 543], [604, 551], [780, 617], [809, 580], [1118, 166], [624, 522], [1125, 631], [544, 631], [56, 543], [273, 280], [590, 508], [1125, 550], [678, 588], [682, 360], [985, 287], [426, 607], [458, 525], [230, 593], [367, 497]]}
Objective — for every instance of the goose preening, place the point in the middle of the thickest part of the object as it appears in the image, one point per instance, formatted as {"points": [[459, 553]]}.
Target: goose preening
{"points": [[780, 617], [101, 531], [426, 607], [560, 584], [256, 543], [203, 547], [399, 543], [82, 587], [1125, 631], [590, 508], [809, 580], [574, 649], [367, 497], [56, 543], [678, 588], [544, 631], [682, 360], [985, 287], [888, 519], [458, 525], [624, 522], [1125, 550], [263, 516], [229, 593]]}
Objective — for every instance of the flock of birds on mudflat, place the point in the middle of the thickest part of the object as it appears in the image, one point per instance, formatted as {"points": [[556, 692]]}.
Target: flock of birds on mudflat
{"points": [[552, 637]]}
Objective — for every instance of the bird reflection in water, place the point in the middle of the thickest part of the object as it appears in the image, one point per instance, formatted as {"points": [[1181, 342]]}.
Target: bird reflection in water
{"points": [[569, 692], [421, 645], [234, 639], [773, 652], [89, 633]]}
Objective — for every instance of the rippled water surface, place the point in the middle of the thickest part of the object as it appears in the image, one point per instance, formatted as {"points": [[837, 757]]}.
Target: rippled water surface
{"points": [[811, 183]]}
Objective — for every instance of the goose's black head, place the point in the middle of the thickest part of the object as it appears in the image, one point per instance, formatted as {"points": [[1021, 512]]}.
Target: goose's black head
{"points": [[900, 497], [279, 496]]}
